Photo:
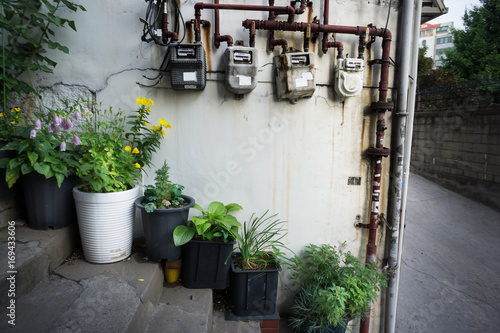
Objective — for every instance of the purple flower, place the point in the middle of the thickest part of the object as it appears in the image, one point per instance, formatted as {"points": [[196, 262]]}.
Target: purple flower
{"points": [[57, 120], [76, 141], [78, 115], [38, 125], [67, 124], [33, 134], [57, 129], [49, 128], [63, 146]]}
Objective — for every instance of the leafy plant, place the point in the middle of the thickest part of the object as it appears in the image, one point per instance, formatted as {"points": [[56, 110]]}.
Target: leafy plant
{"points": [[260, 242], [48, 146], [111, 160], [215, 224], [27, 28], [164, 194], [335, 288], [10, 123]]}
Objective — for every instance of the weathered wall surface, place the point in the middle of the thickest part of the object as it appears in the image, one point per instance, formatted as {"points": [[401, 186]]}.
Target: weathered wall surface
{"points": [[293, 159], [460, 149]]}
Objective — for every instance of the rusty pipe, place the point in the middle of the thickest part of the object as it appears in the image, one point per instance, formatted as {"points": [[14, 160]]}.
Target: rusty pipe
{"points": [[302, 8], [326, 14], [272, 42], [217, 37], [165, 34]]}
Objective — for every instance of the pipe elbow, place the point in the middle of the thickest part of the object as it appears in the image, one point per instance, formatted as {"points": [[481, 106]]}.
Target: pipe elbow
{"points": [[291, 13]]}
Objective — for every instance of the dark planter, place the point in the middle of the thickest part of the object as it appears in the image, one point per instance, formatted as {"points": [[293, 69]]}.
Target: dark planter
{"points": [[206, 265], [47, 205], [159, 226], [254, 292], [329, 329]]}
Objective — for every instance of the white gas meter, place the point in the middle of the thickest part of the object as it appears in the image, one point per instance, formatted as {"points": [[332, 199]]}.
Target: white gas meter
{"points": [[349, 76], [187, 66], [294, 75], [241, 69]]}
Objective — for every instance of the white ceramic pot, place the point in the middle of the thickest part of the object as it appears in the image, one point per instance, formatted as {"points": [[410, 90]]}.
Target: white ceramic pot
{"points": [[106, 224]]}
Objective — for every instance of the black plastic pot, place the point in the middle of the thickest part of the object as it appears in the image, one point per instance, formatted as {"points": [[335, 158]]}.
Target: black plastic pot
{"points": [[254, 292], [47, 205], [206, 265], [159, 227]]}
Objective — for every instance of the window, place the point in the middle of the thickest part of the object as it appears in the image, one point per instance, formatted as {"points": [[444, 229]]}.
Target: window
{"points": [[440, 51], [424, 42], [442, 29], [444, 40]]}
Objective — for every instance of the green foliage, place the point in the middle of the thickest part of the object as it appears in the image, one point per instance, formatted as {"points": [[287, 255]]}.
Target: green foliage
{"points": [[10, 123], [27, 29], [164, 194], [335, 287], [215, 224], [44, 148], [111, 160], [476, 55], [260, 241]]}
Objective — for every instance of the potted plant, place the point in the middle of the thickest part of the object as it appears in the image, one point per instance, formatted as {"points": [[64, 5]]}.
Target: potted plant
{"points": [[163, 208], [209, 240], [336, 287], [255, 268], [45, 154], [109, 168]]}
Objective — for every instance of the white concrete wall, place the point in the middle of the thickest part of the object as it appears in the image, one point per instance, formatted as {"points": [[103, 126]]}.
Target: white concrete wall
{"points": [[294, 159]]}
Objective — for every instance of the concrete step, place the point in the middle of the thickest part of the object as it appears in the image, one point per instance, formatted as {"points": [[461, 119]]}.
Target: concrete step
{"points": [[37, 254], [84, 297], [77, 296]]}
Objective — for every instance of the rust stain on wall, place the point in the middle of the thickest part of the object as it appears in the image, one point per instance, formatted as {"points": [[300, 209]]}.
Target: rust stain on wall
{"points": [[207, 41], [189, 33], [309, 14]]}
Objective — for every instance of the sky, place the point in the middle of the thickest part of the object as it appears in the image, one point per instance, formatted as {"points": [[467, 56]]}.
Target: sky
{"points": [[456, 9]]}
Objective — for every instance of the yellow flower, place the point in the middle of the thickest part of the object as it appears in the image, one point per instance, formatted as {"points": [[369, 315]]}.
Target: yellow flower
{"points": [[145, 123], [168, 125], [135, 151], [163, 132], [141, 101], [13, 122], [11, 110], [128, 149], [138, 166], [153, 128], [148, 109], [163, 122], [17, 109], [1, 114]]}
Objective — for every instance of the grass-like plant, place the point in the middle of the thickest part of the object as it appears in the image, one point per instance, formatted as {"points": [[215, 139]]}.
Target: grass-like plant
{"points": [[260, 243]]}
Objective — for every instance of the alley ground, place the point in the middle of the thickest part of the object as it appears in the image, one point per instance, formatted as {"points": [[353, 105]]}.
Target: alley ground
{"points": [[450, 274]]}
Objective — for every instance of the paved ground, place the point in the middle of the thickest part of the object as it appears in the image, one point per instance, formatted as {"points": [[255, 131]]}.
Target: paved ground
{"points": [[450, 274]]}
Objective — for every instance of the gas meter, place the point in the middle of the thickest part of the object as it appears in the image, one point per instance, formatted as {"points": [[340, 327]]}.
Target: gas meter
{"points": [[241, 69], [187, 66], [349, 76], [294, 75]]}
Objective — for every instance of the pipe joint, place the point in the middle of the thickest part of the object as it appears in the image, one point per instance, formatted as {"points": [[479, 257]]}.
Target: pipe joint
{"points": [[378, 152]]}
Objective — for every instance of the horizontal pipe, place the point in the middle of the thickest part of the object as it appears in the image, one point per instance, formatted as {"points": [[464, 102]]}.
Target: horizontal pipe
{"points": [[277, 9]]}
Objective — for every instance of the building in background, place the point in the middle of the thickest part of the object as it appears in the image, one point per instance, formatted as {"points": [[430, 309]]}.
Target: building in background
{"points": [[437, 38]]}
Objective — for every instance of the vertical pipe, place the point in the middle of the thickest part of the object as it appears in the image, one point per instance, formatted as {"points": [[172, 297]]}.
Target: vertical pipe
{"points": [[398, 142], [326, 13], [409, 135]]}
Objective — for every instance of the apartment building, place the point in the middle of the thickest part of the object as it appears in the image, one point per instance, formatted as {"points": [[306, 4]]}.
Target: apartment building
{"points": [[437, 38]]}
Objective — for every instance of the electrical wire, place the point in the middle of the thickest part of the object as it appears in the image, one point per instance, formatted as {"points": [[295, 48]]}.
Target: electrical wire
{"points": [[153, 15], [388, 16]]}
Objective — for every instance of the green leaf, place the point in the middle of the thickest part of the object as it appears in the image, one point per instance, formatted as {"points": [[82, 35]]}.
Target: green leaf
{"points": [[33, 157], [11, 176], [60, 179], [215, 208], [233, 207], [25, 169], [43, 169], [182, 234]]}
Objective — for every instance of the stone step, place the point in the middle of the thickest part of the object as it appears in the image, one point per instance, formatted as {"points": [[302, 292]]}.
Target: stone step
{"points": [[37, 254], [84, 297]]}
